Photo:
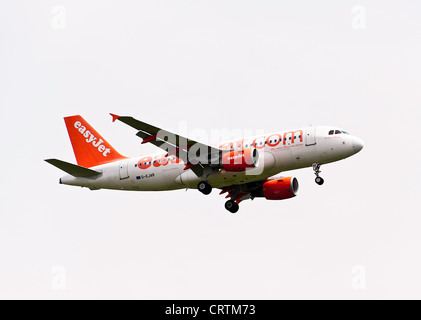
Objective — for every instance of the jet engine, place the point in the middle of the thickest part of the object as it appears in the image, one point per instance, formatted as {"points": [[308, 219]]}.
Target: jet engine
{"points": [[240, 160], [278, 189]]}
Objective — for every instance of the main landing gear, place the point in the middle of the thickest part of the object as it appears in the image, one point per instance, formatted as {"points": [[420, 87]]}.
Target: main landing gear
{"points": [[319, 180], [232, 206], [204, 187]]}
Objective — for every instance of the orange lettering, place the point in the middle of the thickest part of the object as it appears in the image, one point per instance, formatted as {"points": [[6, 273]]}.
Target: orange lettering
{"points": [[261, 145], [293, 136], [144, 163], [279, 138]]}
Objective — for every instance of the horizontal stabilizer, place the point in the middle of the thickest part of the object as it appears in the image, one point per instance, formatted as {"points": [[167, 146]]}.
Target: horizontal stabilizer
{"points": [[72, 169]]}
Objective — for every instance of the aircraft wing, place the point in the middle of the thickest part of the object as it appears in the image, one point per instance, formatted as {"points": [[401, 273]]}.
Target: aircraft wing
{"points": [[195, 154]]}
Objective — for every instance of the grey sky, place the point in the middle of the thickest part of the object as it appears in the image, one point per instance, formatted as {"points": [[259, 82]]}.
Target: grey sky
{"points": [[211, 65]]}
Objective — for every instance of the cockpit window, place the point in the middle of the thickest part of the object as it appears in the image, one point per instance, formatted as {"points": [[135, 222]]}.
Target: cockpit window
{"points": [[332, 132]]}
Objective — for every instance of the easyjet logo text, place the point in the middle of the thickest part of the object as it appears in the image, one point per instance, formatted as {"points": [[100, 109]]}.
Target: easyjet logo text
{"points": [[157, 161], [236, 157], [91, 139], [271, 141]]}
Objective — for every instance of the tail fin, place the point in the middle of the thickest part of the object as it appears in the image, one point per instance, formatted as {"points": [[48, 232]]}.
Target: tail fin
{"points": [[90, 148]]}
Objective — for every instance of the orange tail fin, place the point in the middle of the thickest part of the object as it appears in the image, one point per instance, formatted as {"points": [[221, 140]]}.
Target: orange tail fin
{"points": [[90, 148]]}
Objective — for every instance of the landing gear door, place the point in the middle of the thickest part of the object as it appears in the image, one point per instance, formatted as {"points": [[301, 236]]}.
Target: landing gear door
{"points": [[310, 136], [124, 169]]}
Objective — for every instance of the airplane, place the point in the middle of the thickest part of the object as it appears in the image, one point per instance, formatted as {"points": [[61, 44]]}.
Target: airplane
{"points": [[243, 169]]}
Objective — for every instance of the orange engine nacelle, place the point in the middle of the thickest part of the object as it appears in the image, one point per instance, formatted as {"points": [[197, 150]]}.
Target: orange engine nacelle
{"points": [[240, 160], [280, 189]]}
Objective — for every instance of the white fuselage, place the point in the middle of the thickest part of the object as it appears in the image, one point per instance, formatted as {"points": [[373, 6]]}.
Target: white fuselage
{"points": [[280, 151]]}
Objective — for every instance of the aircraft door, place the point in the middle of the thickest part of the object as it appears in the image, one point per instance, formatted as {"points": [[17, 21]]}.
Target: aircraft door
{"points": [[124, 169], [310, 136]]}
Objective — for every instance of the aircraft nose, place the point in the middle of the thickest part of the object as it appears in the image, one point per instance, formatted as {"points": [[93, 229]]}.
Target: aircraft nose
{"points": [[357, 144]]}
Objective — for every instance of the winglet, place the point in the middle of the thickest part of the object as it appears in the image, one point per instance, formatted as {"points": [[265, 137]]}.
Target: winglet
{"points": [[115, 117]]}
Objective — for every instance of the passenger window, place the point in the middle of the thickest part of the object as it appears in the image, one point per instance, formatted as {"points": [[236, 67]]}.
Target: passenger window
{"points": [[338, 132], [331, 132]]}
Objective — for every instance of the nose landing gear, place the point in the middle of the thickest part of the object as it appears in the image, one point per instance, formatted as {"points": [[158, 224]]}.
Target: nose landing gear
{"points": [[319, 180]]}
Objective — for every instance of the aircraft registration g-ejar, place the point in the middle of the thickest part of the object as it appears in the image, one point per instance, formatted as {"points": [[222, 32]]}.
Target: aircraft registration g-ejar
{"points": [[244, 169]]}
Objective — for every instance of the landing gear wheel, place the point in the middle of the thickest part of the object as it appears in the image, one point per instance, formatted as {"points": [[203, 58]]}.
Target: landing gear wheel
{"points": [[232, 206], [320, 181], [204, 187]]}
